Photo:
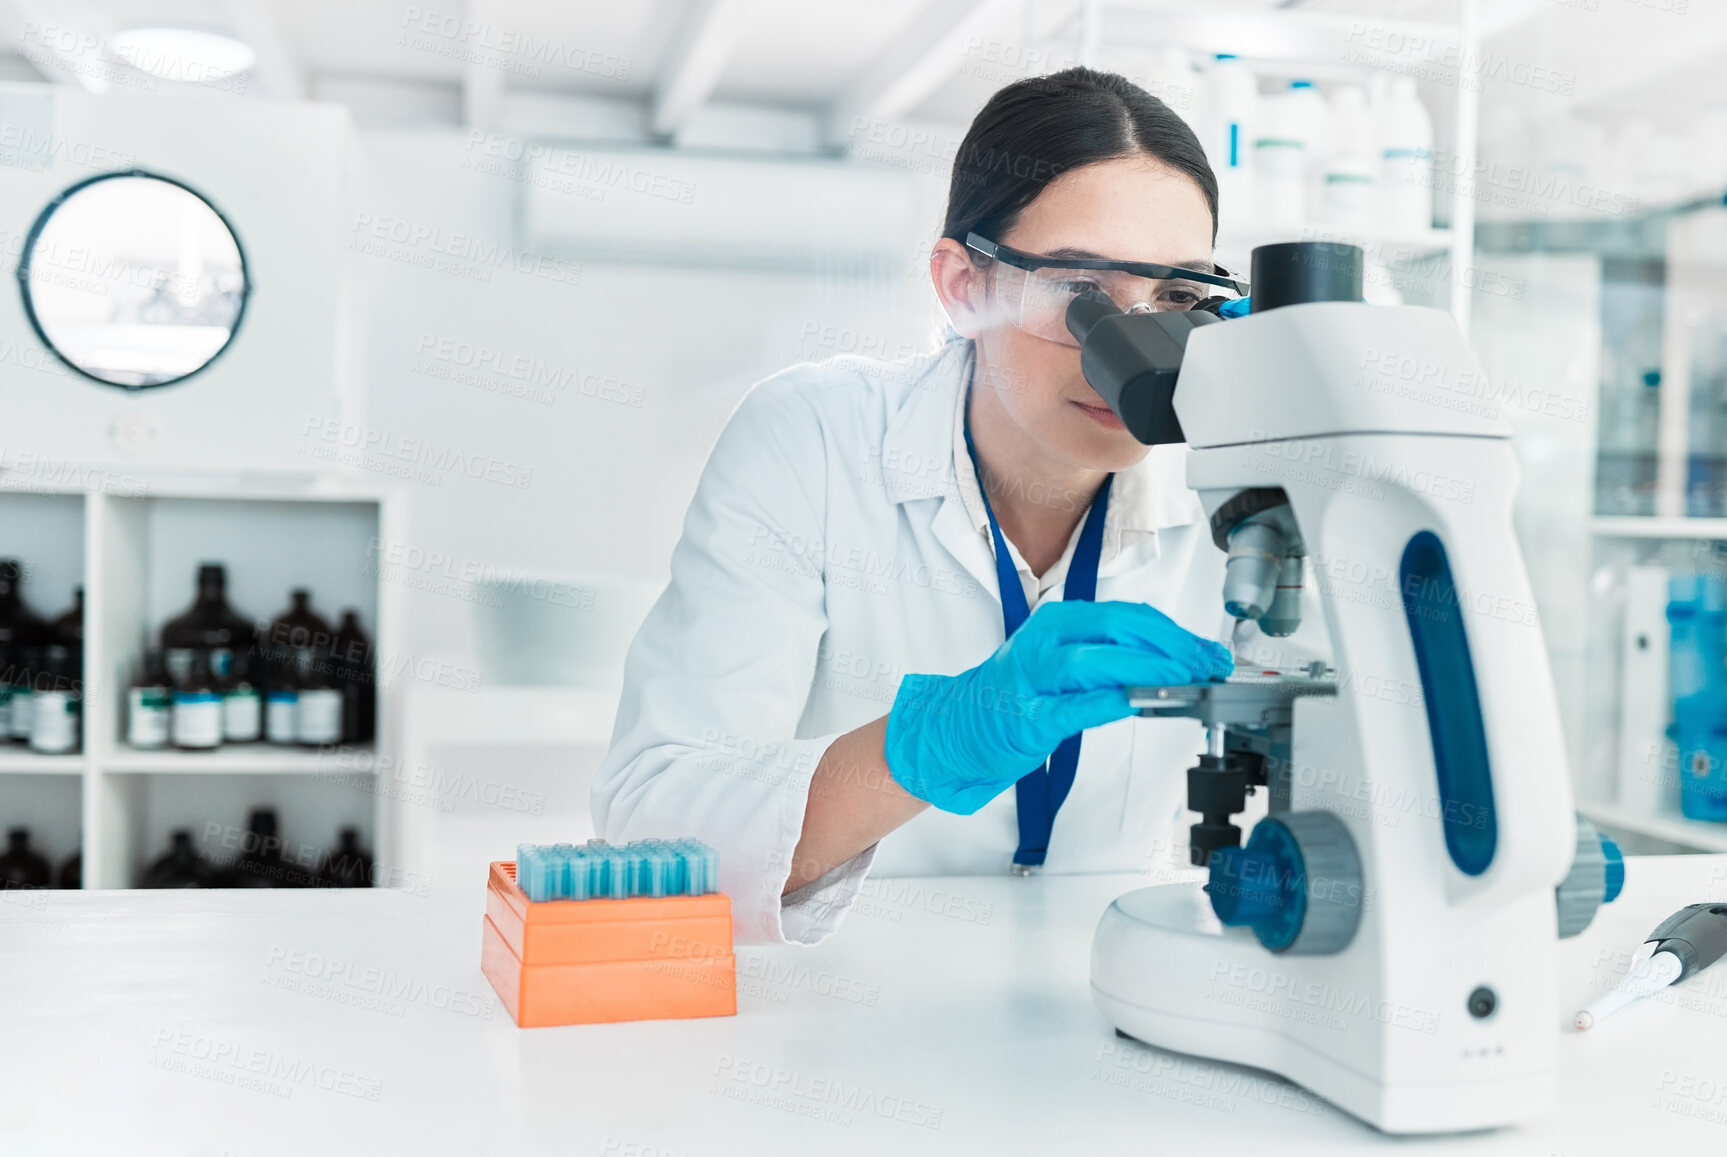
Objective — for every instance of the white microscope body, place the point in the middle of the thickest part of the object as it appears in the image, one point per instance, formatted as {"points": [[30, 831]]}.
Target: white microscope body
{"points": [[1421, 995]]}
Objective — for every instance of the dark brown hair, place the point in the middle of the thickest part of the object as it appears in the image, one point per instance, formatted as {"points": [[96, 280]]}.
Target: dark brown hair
{"points": [[1034, 130]]}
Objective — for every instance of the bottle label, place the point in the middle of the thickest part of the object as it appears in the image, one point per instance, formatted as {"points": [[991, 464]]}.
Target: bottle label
{"points": [[197, 719], [221, 662], [242, 716], [21, 713], [279, 713], [147, 717], [54, 726], [319, 717]]}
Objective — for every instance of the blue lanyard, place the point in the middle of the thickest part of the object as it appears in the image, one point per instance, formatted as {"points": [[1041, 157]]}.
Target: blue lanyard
{"points": [[1040, 793]]}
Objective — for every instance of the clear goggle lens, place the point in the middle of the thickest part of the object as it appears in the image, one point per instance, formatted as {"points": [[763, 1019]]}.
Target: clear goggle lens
{"points": [[1037, 301]]}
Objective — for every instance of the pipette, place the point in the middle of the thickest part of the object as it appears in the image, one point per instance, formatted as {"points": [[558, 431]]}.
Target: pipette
{"points": [[1686, 942]]}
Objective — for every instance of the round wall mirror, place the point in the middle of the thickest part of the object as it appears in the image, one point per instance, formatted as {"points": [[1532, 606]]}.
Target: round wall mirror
{"points": [[133, 279]]}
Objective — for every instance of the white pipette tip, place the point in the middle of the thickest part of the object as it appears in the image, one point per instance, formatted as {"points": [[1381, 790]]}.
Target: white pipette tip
{"points": [[1650, 972]]}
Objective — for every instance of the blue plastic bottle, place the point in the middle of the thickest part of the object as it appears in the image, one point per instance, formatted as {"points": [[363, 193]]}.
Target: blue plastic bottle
{"points": [[1697, 615]]}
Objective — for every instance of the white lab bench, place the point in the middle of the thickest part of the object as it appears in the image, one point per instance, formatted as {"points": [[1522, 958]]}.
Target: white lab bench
{"points": [[948, 1016]]}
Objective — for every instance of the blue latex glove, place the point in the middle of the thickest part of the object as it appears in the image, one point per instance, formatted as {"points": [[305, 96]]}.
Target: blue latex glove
{"points": [[958, 741]]}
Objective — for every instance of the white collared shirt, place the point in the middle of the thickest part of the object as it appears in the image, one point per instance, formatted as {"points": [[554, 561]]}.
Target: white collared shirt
{"points": [[829, 551], [1140, 500]]}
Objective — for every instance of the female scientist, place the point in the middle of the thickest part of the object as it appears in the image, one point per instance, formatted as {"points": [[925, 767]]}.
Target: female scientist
{"points": [[824, 688]]}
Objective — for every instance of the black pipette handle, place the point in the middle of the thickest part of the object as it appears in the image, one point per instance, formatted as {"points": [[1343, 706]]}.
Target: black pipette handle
{"points": [[1696, 934]]}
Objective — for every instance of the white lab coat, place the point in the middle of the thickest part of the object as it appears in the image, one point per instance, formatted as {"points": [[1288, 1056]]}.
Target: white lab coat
{"points": [[835, 543]]}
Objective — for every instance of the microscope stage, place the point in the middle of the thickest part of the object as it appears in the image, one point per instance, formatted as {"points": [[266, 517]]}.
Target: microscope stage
{"points": [[1245, 697]]}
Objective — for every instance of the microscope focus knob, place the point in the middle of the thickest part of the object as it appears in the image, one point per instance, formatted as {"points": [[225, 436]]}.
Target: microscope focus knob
{"points": [[1297, 884], [1596, 877]]}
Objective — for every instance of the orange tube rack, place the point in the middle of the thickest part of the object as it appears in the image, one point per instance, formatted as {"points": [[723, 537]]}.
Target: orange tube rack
{"points": [[594, 961]]}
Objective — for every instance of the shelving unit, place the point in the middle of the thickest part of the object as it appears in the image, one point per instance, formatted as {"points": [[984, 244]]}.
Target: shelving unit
{"points": [[21, 762], [1698, 835], [135, 552], [1655, 526], [1293, 41], [251, 759], [1633, 554]]}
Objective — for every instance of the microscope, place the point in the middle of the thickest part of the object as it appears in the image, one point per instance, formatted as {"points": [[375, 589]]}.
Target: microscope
{"points": [[1386, 934]]}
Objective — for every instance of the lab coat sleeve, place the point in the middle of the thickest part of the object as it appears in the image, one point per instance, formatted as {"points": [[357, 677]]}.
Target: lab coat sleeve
{"points": [[716, 680]]}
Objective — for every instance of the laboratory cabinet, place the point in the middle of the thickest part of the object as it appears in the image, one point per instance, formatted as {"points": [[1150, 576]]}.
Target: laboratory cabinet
{"points": [[1643, 302], [134, 542]]}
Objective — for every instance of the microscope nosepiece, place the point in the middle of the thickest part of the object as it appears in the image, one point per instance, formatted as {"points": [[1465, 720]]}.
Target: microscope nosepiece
{"points": [[1250, 575], [1283, 617]]}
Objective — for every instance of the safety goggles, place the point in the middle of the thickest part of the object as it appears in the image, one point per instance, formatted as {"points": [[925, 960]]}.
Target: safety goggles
{"points": [[1034, 292]]}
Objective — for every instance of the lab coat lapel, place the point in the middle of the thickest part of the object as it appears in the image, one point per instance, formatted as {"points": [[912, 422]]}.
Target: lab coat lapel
{"points": [[921, 433], [1145, 499], [953, 528]]}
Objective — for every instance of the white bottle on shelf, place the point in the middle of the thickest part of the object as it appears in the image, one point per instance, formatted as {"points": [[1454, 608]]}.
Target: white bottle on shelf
{"points": [[1347, 196], [318, 714], [56, 703], [1309, 119], [196, 720], [1280, 183], [1406, 161], [1231, 117]]}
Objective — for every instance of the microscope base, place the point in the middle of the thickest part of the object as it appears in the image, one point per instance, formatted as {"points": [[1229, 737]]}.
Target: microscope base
{"points": [[1167, 973]]}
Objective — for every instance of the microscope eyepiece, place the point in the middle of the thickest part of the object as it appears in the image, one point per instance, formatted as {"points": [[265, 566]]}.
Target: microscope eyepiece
{"points": [[1085, 311], [1298, 272], [1132, 361]]}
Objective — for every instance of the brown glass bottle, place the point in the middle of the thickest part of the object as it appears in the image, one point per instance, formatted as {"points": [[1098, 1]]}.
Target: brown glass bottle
{"points": [[19, 627], [350, 865], [261, 863], [300, 628], [20, 867], [22, 634], [68, 629], [182, 867], [65, 643], [209, 624], [357, 678]]}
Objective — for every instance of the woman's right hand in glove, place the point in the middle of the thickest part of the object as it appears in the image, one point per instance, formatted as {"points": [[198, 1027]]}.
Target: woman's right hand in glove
{"points": [[958, 741]]}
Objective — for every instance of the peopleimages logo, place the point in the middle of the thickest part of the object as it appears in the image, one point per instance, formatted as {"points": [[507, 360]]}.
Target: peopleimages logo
{"points": [[372, 443], [1315, 461], [499, 46], [571, 170]]}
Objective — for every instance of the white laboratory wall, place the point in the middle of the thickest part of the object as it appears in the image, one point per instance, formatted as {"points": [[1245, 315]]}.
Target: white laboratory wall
{"points": [[283, 174], [595, 390]]}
